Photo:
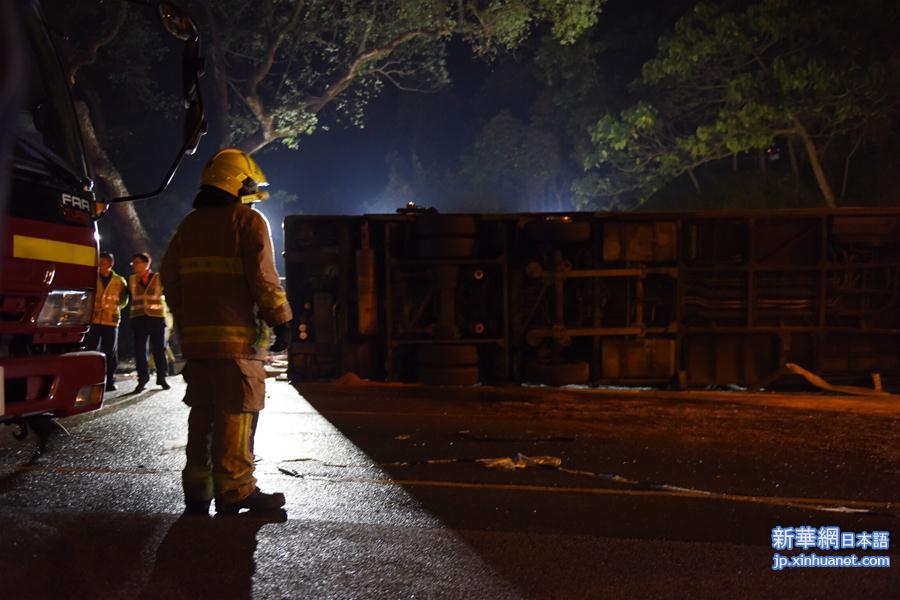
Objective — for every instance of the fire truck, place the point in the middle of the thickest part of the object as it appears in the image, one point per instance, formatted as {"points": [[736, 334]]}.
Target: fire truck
{"points": [[48, 272]]}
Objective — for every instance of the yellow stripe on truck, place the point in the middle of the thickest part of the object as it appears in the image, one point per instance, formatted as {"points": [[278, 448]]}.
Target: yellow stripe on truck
{"points": [[53, 251]]}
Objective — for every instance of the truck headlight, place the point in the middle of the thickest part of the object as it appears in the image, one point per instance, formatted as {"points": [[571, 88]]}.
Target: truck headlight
{"points": [[66, 308], [90, 394]]}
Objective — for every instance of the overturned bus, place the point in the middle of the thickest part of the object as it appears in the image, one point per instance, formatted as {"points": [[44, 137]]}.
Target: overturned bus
{"points": [[687, 300]]}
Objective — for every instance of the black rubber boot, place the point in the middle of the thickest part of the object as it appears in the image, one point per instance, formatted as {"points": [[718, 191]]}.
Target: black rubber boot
{"points": [[197, 507], [257, 501]]}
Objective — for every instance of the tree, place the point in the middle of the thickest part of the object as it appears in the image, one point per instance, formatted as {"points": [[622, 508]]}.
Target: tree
{"points": [[280, 69], [279, 66], [513, 163], [525, 124], [531, 114], [84, 29], [730, 80]]}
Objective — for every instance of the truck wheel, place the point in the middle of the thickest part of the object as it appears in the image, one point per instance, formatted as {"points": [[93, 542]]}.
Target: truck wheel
{"points": [[449, 375], [568, 373], [448, 355], [557, 231]]}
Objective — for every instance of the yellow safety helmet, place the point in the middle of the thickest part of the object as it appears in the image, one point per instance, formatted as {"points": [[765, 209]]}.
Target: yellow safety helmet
{"points": [[233, 171]]}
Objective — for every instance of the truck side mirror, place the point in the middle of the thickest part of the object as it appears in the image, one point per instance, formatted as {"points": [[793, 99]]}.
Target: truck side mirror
{"points": [[179, 25], [191, 71], [176, 21], [194, 126]]}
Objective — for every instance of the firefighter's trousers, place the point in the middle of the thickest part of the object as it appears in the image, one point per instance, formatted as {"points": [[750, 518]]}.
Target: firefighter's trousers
{"points": [[225, 396]]}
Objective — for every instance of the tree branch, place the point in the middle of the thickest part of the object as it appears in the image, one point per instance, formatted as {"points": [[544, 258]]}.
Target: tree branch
{"points": [[317, 103], [252, 97], [269, 58], [88, 55]]}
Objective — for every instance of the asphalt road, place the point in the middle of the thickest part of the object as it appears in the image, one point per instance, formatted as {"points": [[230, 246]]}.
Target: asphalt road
{"points": [[392, 493]]}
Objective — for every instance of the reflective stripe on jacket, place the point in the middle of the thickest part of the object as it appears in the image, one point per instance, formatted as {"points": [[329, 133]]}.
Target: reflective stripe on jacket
{"points": [[110, 300], [147, 301], [221, 283]]}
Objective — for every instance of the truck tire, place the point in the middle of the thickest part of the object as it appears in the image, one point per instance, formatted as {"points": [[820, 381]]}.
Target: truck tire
{"points": [[448, 355], [559, 374], [449, 375], [557, 231]]}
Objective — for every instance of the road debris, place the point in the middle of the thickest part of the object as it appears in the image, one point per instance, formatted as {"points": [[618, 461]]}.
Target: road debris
{"points": [[467, 434], [519, 461], [322, 462], [290, 472], [853, 390]]}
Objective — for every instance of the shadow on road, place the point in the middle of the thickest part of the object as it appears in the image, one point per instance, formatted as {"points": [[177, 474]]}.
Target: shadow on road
{"points": [[535, 526], [203, 557]]}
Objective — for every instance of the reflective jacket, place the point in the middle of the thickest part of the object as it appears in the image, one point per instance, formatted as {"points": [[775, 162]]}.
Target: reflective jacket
{"points": [[221, 281], [147, 301], [110, 300]]}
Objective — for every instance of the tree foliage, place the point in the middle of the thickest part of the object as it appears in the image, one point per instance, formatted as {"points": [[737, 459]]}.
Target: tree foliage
{"points": [[731, 79], [281, 66], [515, 165]]}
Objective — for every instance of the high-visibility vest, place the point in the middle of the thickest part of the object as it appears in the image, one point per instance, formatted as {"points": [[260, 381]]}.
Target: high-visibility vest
{"points": [[109, 301], [147, 301]]}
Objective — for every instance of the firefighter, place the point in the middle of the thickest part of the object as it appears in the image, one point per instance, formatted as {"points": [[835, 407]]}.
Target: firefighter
{"points": [[148, 321], [223, 289], [111, 298]]}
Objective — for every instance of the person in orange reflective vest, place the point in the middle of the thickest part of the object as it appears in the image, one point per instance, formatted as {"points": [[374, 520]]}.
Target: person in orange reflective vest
{"points": [[148, 321], [110, 299], [223, 289]]}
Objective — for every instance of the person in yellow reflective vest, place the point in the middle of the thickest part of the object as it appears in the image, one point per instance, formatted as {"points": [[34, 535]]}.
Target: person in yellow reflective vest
{"points": [[148, 322], [223, 288], [110, 299]]}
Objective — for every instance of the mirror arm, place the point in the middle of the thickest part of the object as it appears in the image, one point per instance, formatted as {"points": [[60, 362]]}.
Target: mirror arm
{"points": [[161, 188], [192, 69]]}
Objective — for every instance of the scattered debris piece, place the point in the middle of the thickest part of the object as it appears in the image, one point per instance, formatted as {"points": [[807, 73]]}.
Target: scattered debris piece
{"points": [[322, 462], [519, 461], [402, 437], [465, 433], [820, 383], [350, 378], [290, 472]]}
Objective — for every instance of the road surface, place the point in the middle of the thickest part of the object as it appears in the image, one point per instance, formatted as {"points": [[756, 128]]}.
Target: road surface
{"points": [[405, 492]]}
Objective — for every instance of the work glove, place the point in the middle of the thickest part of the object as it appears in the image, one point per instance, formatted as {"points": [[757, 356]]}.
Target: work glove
{"points": [[282, 337]]}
